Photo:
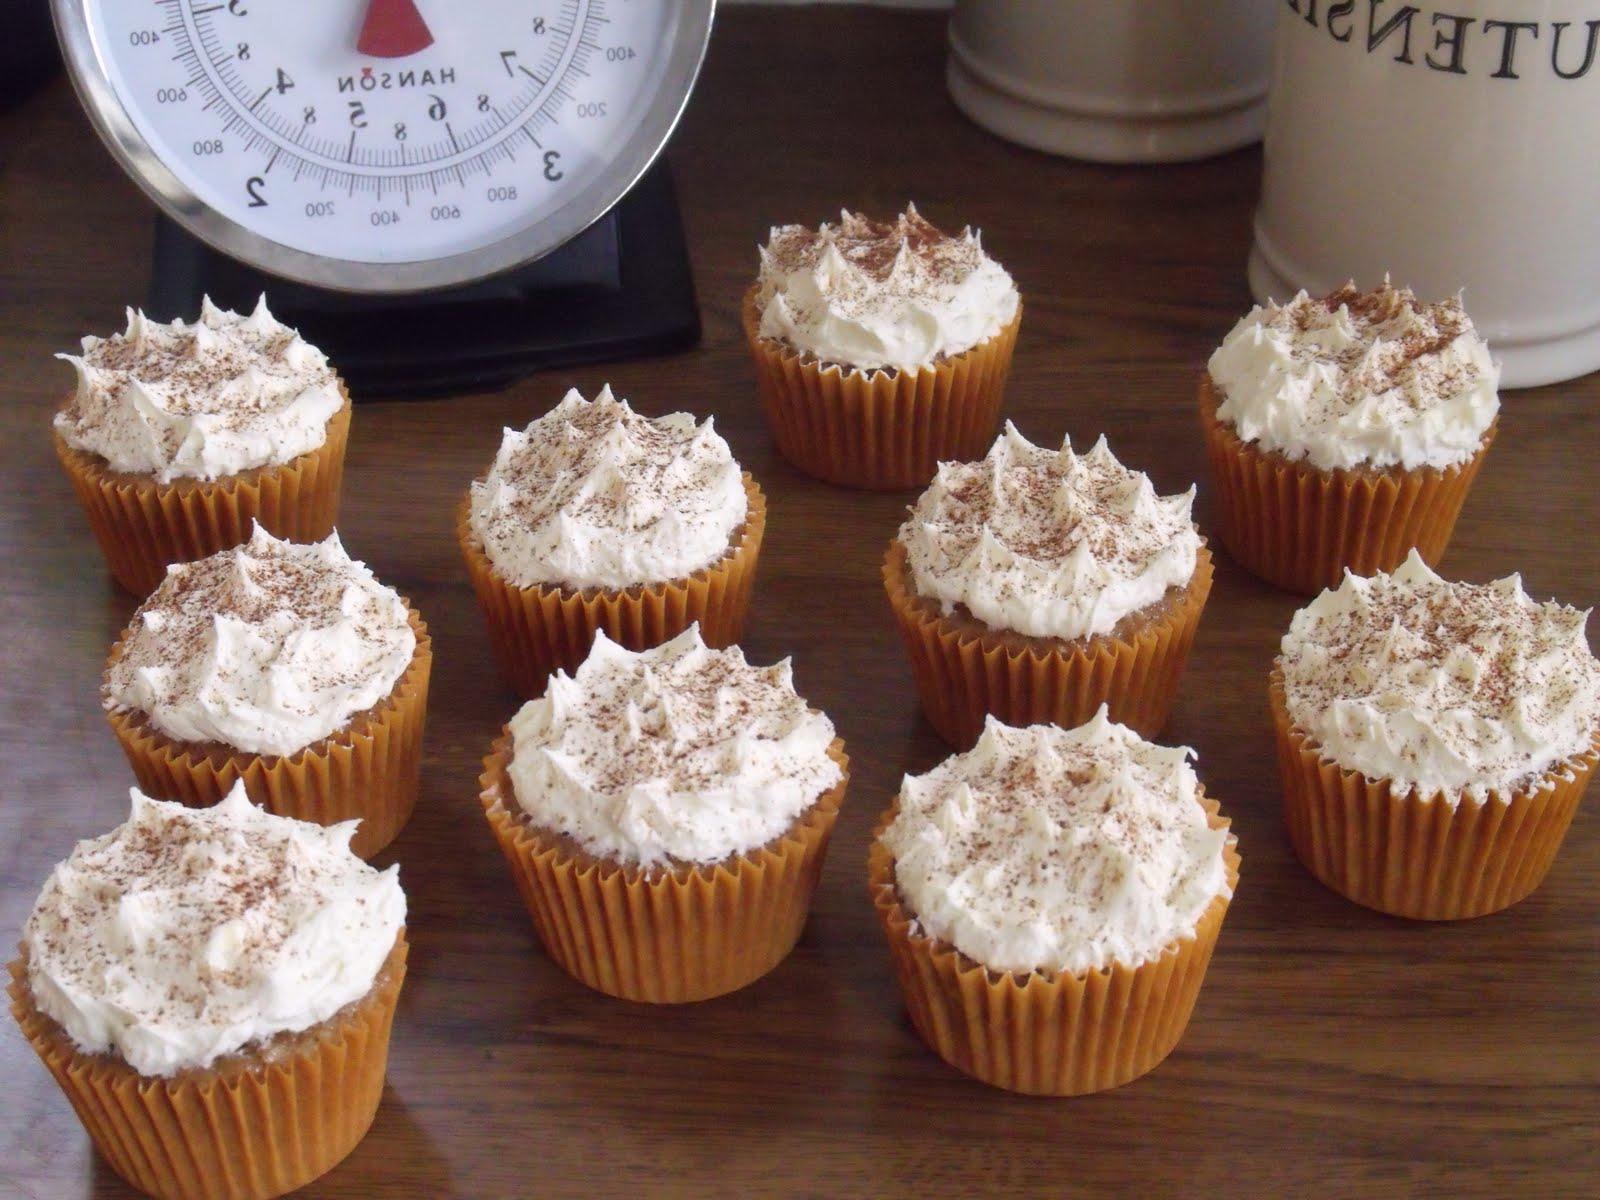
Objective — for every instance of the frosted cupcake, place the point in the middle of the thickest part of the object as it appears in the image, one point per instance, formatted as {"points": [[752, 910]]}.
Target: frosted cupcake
{"points": [[178, 438], [1434, 738], [665, 814], [881, 347], [213, 990], [1037, 585], [596, 518], [1052, 898], [1346, 431], [287, 667]]}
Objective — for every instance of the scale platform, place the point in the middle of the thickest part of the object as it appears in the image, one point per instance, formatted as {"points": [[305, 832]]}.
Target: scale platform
{"points": [[621, 289]]}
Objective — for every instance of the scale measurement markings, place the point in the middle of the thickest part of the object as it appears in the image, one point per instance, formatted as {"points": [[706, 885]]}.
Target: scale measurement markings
{"points": [[492, 122], [367, 168]]}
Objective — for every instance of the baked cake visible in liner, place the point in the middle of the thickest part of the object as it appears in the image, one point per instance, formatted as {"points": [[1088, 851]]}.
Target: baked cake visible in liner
{"points": [[143, 526], [1087, 968], [1434, 739], [880, 347], [251, 1126], [1300, 528], [1037, 584], [180, 436], [668, 935], [213, 991], [368, 767], [1413, 855], [538, 630], [371, 769], [665, 814], [1345, 430], [884, 430], [965, 671]]}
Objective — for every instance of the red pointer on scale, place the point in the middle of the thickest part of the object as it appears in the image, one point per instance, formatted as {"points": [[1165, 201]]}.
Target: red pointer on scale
{"points": [[393, 29]]}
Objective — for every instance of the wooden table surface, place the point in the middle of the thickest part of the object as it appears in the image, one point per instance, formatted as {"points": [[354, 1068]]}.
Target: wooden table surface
{"points": [[1333, 1051]]}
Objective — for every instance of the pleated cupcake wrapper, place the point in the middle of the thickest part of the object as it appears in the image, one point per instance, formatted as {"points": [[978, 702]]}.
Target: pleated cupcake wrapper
{"points": [[243, 1131], [1046, 1033], [1413, 855], [880, 429], [1298, 527], [143, 526], [961, 676], [663, 937], [537, 630], [372, 770]]}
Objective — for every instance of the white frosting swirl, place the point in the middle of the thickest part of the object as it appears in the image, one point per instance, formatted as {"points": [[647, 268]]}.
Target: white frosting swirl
{"points": [[1048, 543], [266, 647], [202, 400], [189, 933], [594, 495], [1049, 849], [1444, 688], [1359, 379], [678, 754], [868, 295]]}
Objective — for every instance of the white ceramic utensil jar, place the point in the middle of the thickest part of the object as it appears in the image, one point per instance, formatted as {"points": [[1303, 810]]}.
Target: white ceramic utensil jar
{"points": [[1451, 144], [1114, 80]]}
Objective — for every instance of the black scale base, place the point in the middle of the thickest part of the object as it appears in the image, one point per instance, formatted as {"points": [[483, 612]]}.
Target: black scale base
{"points": [[622, 289]]}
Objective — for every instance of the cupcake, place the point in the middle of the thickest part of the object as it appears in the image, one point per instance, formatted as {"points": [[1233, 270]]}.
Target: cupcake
{"points": [[1051, 899], [595, 518], [179, 438], [665, 814], [1037, 585], [213, 990], [881, 347], [1434, 739], [286, 667], [1344, 432]]}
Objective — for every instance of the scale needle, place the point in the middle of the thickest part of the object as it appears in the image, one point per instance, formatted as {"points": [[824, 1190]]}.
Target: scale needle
{"points": [[393, 29]]}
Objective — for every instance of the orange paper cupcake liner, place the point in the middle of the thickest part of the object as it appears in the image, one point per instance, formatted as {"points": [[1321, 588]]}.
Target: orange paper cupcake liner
{"points": [[1299, 528], [662, 937], [246, 1129], [963, 676], [371, 769], [538, 630], [144, 526], [884, 429], [1412, 855], [1046, 1033]]}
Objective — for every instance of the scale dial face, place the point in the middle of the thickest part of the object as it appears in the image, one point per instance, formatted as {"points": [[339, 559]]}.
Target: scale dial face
{"points": [[385, 145]]}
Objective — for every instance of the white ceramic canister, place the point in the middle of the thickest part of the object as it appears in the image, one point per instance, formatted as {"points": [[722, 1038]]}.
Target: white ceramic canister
{"points": [[1452, 144], [1114, 80]]}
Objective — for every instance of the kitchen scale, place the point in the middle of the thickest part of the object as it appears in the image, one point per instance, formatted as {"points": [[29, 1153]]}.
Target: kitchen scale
{"points": [[442, 194]]}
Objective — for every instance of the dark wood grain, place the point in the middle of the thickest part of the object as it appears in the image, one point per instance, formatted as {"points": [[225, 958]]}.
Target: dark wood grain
{"points": [[1333, 1052]]}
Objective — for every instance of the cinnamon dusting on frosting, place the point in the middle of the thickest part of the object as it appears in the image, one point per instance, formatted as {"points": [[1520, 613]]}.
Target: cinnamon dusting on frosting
{"points": [[187, 934], [869, 294], [1060, 850], [680, 753], [205, 399], [1359, 378], [1442, 687], [1399, 346], [592, 494], [266, 647], [875, 249], [1048, 543]]}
